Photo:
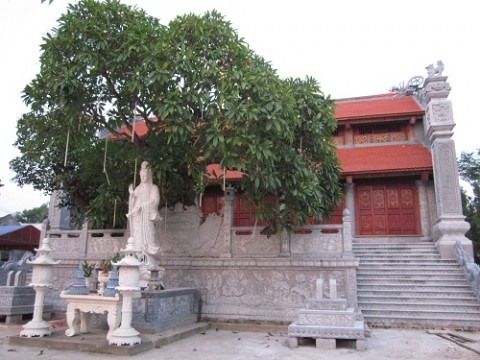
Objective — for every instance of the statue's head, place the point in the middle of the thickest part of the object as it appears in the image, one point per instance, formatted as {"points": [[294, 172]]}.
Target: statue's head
{"points": [[145, 172]]}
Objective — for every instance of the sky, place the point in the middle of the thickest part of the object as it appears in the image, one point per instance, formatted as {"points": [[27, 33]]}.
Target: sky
{"points": [[351, 47]]}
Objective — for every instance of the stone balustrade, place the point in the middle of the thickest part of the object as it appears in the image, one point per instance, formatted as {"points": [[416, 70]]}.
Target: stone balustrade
{"points": [[471, 270]]}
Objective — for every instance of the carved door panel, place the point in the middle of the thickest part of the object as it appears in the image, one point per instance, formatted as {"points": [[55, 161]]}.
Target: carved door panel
{"points": [[212, 202], [389, 208], [243, 212]]}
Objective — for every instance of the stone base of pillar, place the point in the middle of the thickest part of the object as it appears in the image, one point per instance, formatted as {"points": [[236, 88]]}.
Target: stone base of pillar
{"points": [[447, 231], [125, 337], [36, 329]]}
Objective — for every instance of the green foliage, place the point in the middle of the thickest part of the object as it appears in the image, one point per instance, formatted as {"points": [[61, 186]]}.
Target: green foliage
{"points": [[469, 169], [34, 215], [204, 96]]}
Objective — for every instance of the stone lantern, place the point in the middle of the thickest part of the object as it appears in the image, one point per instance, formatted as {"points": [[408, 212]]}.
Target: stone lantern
{"points": [[41, 282], [129, 288]]}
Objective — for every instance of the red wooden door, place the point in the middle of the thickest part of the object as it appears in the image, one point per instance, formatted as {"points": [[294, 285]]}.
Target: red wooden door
{"points": [[389, 208]]}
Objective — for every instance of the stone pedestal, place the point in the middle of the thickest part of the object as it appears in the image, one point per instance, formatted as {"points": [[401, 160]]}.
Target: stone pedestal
{"points": [[159, 310], [326, 320]]}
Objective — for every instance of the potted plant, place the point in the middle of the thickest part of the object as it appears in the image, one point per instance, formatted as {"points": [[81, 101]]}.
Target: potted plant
{"points": [[88, 269], [104, 271], [107, 263]]}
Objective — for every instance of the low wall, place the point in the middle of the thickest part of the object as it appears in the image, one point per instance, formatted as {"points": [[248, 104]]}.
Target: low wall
{"points": [[261, 289]]}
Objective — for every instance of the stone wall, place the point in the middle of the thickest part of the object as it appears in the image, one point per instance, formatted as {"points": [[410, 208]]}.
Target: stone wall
{"points": [[240, 273]]}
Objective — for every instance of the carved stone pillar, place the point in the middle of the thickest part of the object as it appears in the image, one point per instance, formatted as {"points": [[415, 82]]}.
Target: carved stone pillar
{"points": [[58, 217], [450, 225], [350, 202], [229, 198], [424, 213]]}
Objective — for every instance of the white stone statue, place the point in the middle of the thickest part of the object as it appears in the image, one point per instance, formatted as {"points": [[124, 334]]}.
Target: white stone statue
{"points": [[143, 215]]}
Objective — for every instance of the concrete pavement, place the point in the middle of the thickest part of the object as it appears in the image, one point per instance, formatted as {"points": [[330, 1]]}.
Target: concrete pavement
{"points": [[240, 343]]}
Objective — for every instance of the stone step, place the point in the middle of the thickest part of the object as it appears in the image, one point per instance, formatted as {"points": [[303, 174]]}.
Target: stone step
{"points": [[366, 276], [390, 254], [426, 249], [378, 269], [409, 266], [422, 250], [375, 281], [360, 254], [413, 322], [414, 287], [415, 292], [397, 306], [424, 313], [428, 245], [407, 261], [391, 239], [407, 284], [380, 299]]}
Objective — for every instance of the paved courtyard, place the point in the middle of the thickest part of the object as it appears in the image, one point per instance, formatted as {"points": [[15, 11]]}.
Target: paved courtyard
{"points": [[271, 345]]}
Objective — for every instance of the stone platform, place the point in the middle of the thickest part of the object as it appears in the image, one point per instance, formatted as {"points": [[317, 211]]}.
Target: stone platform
{"points": [[96, 342]]}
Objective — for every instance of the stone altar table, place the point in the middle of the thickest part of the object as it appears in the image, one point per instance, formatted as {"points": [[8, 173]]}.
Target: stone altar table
{"points": [[327, 320], [81, 307]]}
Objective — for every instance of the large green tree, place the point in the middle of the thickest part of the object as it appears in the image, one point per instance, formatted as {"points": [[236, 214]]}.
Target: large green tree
{"points": [[469, 169], [33, 215], [204, 96]]}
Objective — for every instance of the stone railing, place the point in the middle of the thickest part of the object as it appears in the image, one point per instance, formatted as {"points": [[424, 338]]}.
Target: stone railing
{"points": [[306, 242], [86, 243], [325, 241], [471, 270]]}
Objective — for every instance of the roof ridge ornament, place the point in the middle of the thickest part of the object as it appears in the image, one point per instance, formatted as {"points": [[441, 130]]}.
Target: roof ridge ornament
{"points": [[414, 84]]}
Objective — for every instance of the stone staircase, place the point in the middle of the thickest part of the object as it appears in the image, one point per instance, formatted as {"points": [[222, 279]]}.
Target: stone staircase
{"points": [[403, 283]]}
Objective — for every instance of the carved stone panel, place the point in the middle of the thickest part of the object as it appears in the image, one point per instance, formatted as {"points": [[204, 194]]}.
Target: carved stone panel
{"points": [[182, 231], [229, 290], [446, 176], [441, 113]]}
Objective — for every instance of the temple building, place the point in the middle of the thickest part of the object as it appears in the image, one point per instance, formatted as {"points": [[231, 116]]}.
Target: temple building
{"points": [[400, 216], [398, 167]]}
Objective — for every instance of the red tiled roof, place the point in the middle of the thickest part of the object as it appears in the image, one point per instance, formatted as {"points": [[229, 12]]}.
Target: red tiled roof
{"points": [[215, 173], [358, 160], [140, 129], [377, 106], [384, 159], [361, 160]]}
